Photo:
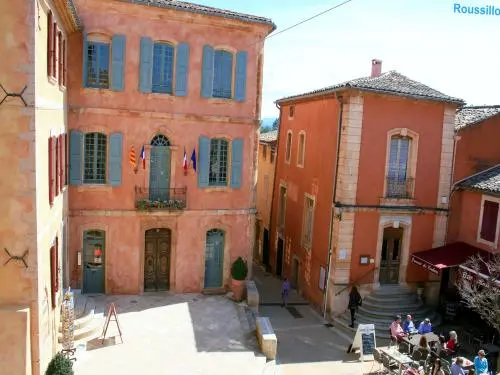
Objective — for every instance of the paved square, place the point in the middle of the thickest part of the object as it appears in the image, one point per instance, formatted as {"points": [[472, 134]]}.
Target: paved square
{"points": [[173, 334]]}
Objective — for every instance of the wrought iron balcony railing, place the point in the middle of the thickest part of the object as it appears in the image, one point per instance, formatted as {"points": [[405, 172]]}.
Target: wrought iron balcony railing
{"points": [[170, 199], [399, 188]]}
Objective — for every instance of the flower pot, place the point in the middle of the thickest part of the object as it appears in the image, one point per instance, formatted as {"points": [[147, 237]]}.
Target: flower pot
{"points": [[237, 287]]}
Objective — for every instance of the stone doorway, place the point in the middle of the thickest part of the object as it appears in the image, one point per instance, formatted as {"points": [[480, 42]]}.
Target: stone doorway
{"points": [[157, 259], [390, 257]]}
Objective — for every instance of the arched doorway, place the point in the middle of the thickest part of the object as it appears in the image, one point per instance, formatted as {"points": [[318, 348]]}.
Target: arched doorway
{"points": [[93, 262], [159, 172], [390, 257], [157, 259], [214, 259]]}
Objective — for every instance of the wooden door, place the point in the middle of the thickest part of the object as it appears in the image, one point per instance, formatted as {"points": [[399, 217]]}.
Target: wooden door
{"points": [[390, 256], [157, 260]]}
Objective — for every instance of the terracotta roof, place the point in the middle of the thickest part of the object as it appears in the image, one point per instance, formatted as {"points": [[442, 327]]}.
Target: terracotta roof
{"points": [[487, 181], [475, 114], [271, 136], [203, 9], [392, 83]]}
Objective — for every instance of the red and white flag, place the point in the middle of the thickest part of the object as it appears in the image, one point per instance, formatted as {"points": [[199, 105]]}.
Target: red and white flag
{"points": [[185, 162]]}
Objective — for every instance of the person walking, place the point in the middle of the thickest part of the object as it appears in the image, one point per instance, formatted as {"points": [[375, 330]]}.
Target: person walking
{"points": [[354, 302], [285, 292]]}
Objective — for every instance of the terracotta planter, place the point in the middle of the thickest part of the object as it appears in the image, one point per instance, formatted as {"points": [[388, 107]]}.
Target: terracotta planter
{"points": [[237, 287]]}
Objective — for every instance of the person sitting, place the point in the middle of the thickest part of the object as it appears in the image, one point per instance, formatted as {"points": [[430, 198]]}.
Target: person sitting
{"points": [[451, 345], [456, 367], [421, 351], [409, 326], [396, 330], [481, 363], [437, 368], [425, 327]]}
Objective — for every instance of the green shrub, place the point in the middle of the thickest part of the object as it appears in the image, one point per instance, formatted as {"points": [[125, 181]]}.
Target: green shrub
{"points": [[60, 365], [239, 269]]}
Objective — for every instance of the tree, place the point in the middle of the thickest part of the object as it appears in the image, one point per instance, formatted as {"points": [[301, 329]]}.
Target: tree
{"points": [[482, 294], [276, 124]]}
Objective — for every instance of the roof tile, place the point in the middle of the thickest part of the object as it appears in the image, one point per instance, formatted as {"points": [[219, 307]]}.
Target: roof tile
{"points": [[487, 181], [471, 115], [391, 82], [271, 136]]}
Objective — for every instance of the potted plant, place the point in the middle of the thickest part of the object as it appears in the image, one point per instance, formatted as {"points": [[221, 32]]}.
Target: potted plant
{"points": [[239, 272], [420, 290], [60, 365]]}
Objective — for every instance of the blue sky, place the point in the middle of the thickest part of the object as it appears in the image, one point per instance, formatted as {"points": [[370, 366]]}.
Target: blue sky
{"points": [[425, 40]]}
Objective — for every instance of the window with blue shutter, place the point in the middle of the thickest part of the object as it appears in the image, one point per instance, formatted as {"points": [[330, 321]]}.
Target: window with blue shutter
{"points": [[240, 88], [115, 159], [236, 162], [182, 69], [97, 67], [207, 74], [94, 164], [203, 161], [219, 159], [76, 158], [118, 62], [146, 65], [163, 68], [223, 74]]}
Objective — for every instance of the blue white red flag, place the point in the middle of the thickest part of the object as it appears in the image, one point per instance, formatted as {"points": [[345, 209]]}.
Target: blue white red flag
{"points": [[143, 157]]}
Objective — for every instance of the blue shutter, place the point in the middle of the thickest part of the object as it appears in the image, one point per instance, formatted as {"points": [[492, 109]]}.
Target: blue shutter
{"points": [[181, 69], [85, 56], [76, 158], [146, 65], [241, 76], [207, 78], [236, 162], [118, 62], [115, 159], [204, 161]]}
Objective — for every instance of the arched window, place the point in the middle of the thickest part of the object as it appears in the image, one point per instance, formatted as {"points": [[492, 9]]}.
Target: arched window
{"points": [[95, 155], [160, 140]]}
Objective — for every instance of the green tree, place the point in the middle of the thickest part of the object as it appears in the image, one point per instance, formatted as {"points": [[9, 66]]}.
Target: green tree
{"points": [[276, 124]]}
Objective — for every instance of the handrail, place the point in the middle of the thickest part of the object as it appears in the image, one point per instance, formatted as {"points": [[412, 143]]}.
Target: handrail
{"points": [[355, 281]]}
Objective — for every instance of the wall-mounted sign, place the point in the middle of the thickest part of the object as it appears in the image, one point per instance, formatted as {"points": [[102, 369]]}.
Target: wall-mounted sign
{"points": [[364, 259]]}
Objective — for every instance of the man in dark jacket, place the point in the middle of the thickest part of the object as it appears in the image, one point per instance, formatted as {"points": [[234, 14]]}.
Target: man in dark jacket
{"points": [[354, 303]]}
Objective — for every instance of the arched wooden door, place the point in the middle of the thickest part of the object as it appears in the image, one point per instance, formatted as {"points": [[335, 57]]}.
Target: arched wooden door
{"points": [[159, 164], [157, 260], [214, 259]]}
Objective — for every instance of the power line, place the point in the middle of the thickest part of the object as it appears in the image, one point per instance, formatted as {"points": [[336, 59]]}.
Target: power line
{"points": [[309, 19]]}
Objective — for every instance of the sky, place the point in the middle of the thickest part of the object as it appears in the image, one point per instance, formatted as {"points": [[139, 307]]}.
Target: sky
{"points": [[457, 54]]}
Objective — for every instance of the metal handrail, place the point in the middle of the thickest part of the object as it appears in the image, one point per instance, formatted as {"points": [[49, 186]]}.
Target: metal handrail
{"points": [[355, 281]]}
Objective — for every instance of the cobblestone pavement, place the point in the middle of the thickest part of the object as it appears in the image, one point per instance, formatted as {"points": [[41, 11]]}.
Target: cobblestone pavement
{"points": [[174, 334]]}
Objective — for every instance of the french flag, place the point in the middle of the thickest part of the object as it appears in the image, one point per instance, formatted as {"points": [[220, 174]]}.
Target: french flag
{"points": [[185, 162], [143, 157]]}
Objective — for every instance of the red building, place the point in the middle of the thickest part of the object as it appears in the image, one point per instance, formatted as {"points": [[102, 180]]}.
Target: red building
{"points": [[362, 181]]}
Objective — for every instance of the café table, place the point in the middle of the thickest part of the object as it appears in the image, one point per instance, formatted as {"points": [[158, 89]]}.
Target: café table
{"points": [[414, 340], [400, 358]]}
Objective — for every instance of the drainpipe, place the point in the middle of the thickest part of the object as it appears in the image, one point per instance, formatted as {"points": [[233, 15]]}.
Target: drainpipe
{"points": [[275, 170], [456, 138], [334, 197]]}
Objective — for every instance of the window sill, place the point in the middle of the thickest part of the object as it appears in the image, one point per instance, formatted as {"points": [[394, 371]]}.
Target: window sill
{"points": [[52, 80], [221, 101], [97, 89], [93, 187], [162, 96], [397, 201], [300, 165], [211, 189], [487, 243]]}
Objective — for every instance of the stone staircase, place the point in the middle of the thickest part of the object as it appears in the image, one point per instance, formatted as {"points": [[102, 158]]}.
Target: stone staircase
{"points": [[89, 319], [382, 305]]}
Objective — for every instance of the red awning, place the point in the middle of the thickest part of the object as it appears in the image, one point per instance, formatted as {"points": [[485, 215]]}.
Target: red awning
{"points": [[452, 255]]}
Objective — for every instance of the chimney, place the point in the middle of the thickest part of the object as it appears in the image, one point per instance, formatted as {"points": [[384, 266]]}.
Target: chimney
{"points": [[376, 67]]}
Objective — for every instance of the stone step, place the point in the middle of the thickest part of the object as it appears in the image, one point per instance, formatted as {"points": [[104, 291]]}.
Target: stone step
{"points": [[392, 299], [418, 314], [403, 306], [89, 331], [83, 321]]}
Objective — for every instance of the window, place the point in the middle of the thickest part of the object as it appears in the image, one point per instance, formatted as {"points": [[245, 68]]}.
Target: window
{"points": [[51, 169], [488, 231], [282, 207], [94, 158], [291, 111], [397, 176], [288, 150], [308, 220], [54, 272], [163, 68], [302, 145], [50, 45], [57, 144], [223, 74], [98, 65], [264, 152], [218, 173]]}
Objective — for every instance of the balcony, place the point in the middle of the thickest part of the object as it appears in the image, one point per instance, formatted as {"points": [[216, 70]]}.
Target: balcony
{"points": [[399, 188], [171, 199]]}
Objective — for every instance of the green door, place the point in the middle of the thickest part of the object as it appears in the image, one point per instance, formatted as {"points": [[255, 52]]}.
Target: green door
{"points": [[159, 173], [93, 262], [214, 259]]}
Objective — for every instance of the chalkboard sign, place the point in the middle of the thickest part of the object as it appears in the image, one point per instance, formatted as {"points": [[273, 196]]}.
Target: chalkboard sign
{"points": [[368, 342]]}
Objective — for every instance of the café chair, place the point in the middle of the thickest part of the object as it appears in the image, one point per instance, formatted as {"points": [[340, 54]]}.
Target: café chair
{"points": [[377, 356]]}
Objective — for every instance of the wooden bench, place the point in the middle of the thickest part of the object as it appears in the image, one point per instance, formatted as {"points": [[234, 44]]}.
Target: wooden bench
{"points": [[267, 339], [252, 295]]}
